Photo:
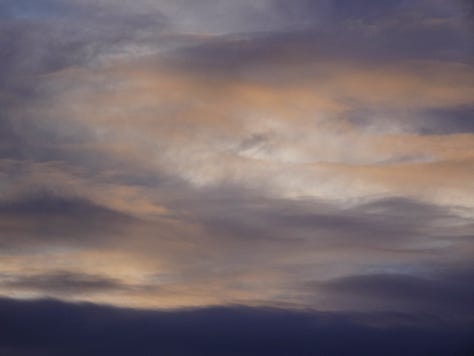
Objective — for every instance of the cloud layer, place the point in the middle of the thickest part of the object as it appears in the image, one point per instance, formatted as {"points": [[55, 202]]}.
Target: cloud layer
{"points": [[299, 155], [97, 330]]}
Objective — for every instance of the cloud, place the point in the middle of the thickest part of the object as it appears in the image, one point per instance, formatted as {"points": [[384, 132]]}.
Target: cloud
{"points": [[230, 241], [307, 126], [62, 283], [54, 328], [451, 120], [385, 221], [229, 152], [448, 294], [43, 219]]}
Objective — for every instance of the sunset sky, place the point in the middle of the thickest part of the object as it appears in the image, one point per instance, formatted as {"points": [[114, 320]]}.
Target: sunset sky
{"points": [[271, 171]]}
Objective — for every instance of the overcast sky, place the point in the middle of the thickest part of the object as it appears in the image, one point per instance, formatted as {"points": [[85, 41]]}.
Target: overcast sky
{"points": [[308, 155]]}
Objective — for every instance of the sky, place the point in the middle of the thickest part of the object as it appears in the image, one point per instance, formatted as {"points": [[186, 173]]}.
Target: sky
{"points": [[280, 174]]}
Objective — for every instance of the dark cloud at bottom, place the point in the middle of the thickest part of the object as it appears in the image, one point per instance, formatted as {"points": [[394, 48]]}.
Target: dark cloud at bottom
{"points": [[48, 327]]}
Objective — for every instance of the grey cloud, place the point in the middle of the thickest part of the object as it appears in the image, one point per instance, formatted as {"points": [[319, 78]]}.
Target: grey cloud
{"points": [[448, 294], [46, 218], [367, 9], [244, 230], [95, 28], [62, 283], [387, 222], [448, 121], [231, 231], [394, 33], [11, 145], [44, 204], [32, 327], [38, 38], [439, 121], [29, 136], [74, 35]]}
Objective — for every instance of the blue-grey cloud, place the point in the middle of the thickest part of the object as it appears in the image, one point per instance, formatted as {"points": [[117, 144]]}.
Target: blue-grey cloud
{"points": [[384, 223], [52, 328], [447, 294], [62, 283], [45, 218]]}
